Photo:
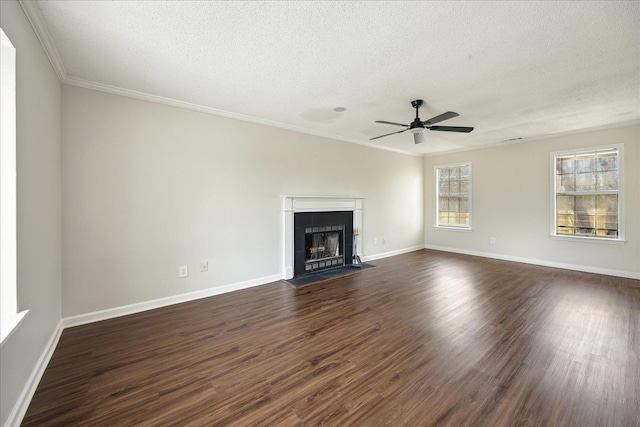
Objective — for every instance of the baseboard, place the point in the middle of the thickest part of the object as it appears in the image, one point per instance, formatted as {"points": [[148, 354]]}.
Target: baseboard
{"points": [[20, 409], [110, 313], [392, 253], [96, 316], [545, 263]]}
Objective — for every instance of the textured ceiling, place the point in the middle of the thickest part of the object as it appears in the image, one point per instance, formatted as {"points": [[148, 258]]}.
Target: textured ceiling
{"points": [[512, 69]]}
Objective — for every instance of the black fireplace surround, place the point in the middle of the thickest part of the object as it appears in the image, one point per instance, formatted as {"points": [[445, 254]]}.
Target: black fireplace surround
{"points": [[321, 221]]}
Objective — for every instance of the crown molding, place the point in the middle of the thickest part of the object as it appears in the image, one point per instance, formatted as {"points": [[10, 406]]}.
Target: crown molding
{"points": [[34, 16], [115, 90], [32, 11], [616, 125]]}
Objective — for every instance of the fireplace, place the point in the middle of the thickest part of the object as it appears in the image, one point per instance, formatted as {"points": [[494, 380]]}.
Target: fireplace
{"points": [[322, 240], [318, 232]]}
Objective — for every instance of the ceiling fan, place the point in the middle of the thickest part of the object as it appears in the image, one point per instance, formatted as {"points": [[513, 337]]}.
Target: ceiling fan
{"points": [[417, 126]]}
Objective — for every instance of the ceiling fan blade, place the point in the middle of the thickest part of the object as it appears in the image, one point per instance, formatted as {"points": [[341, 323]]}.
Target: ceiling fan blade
{"points": [[392, 133], [391, 123], [442, 117], [451, 128]]}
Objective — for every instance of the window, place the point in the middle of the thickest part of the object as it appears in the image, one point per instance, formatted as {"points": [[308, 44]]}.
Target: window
{"points": [[587, 187], [10, 318], [453, 196]]}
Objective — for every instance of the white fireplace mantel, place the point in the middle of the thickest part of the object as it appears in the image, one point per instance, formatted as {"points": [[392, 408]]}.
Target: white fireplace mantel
{"points": [[293, 204]]}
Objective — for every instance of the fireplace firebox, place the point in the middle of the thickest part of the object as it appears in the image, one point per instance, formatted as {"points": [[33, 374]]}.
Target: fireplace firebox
{"points": [[323, 247], [322, 240]]}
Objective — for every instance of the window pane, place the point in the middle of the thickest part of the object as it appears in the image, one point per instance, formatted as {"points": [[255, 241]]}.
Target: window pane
{"points": [[464, 218], [565, 183], [607, 204], [443, 218], [454, 173], [565, 220], [585, 163], [464, 172], [607, 223], [566, 230], [443, 204], [443, 187], [454, 187], [608, 180], [568, 165], [585, 182], [585, 205], [565, 204], [608, 161], [443, 174], [586, 221], [464, 205], [464, 187], [586, 231]]}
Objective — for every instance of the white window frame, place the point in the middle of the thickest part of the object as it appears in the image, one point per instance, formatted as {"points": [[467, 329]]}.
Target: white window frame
{"points": [[437, 198], [620, 240], [10, 318]]}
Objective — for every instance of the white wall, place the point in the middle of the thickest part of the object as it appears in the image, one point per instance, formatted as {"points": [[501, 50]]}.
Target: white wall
{"points": [[511, 202], [38, 98], [149, 187]]}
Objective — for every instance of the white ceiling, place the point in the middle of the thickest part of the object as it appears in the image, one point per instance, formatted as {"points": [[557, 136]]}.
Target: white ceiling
{"points": [[519, 69]]}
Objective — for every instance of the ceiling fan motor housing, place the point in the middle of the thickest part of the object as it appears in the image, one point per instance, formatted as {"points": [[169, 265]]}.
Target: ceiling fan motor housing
{"points": [[416, 126]]}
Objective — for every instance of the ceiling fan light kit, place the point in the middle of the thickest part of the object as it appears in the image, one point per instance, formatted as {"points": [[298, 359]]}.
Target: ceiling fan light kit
{"points": [[417, 126], [418, 134]]}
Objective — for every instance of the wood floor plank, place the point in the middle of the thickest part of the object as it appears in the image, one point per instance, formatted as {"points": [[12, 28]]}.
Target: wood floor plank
{"points": [[425, 338]]}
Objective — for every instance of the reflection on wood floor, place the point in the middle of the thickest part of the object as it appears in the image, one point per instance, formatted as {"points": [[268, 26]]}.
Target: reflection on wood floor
{"points": [[426, 338]]}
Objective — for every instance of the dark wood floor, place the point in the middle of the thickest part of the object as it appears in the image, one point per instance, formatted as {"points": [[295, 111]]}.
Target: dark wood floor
{"points": [[426, 338]]}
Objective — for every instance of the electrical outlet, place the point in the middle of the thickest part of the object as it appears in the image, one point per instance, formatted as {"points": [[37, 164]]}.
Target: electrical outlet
{"points": [[375, 241], [204, 266], [183, 271], [492, 240]]}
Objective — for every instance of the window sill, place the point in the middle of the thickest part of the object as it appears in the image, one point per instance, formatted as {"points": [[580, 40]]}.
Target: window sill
{"points": [[588, 239], [440, 227], [10, 324]]}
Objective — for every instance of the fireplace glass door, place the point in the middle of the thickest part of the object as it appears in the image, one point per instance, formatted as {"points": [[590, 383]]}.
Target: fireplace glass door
{"points": [[324, 247]]}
